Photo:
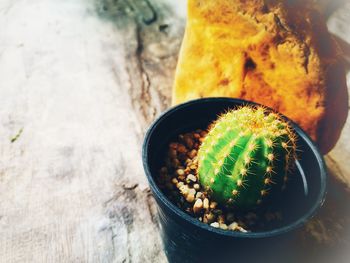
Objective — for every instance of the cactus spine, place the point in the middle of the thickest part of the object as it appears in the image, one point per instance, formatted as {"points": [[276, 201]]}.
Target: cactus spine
{"points": [[246, 156]]}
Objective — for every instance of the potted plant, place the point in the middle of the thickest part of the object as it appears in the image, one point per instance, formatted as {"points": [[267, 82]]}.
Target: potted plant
{"points": [[239, 166]]}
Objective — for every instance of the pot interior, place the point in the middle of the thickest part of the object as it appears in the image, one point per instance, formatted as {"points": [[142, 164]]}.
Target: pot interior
{"points": [[306, 188]]}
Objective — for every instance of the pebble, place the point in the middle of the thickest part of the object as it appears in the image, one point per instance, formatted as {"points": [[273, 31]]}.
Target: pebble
{"points": [[196, 186], [206, 203], [199, 195], [233, 226], [184, 190], [188, 162], [209, 218], [223, 226], [180, 172], [179, 184], [190, 198], [193, 167], [173, 145], [196, 135], [203, 134], [192, 154], [198, 205], [215, 224], [242, 229], [181, 148], [213, 205], [192, 191], [221, 219], [188, 141], [192, 178]]}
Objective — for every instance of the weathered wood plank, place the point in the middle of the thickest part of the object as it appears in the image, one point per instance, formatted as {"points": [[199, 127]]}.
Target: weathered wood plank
{"points": [[72, 188]]}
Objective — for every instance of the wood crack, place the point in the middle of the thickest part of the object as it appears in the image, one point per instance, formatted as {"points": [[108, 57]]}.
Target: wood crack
{"points": [[144, 100], [151, 207]]}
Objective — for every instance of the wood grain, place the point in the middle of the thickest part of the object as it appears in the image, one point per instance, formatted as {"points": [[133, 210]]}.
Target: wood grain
{"points": [[82, 80]]}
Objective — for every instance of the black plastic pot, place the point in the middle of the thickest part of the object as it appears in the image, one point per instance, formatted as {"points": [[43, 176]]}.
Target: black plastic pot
{"points": [[186, 239]]}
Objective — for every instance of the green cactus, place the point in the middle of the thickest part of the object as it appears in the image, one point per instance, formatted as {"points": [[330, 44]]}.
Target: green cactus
{"points": [[247, 155]]}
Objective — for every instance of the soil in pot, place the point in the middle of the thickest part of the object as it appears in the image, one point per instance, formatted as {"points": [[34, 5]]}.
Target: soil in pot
{"points": [[178, 180]]}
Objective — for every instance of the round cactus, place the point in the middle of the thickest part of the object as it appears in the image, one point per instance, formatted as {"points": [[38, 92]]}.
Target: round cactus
{"points": [[246, 156]]}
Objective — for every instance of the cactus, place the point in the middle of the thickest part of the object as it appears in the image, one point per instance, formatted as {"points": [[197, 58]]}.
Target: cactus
{"points": [[246, 156]]}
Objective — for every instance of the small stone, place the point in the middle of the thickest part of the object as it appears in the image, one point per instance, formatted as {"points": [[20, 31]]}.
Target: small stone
{"points": [[213, 205], [188, 162], [209, 218], [233, 226], [181, 177], [196, 186], [221, 219], [192, 153], [193, 167], [187, 170], [180, 172], [181, 148], [196, 135], [198, 205], [188, 141], [173, 145], [215, 224], [184, 190], [241, 224], [199, 195], [192, 191], [206, 203], [195, 161], [203, 133], [242, 229], [223, 226], [192, 178], [190, 198], [179, 184]]}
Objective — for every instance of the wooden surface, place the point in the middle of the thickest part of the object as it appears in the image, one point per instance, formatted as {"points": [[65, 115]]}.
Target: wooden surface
{"points": [[79, 83]]}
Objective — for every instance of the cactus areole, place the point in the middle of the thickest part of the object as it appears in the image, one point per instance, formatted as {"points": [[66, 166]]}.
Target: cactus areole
{"points": [[247, 156]]}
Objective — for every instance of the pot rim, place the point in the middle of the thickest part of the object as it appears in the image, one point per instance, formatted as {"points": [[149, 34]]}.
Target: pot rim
{"points": [[271, 233]]}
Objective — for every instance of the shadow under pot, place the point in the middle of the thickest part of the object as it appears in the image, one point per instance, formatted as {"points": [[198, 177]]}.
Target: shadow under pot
{"points": [[187, 239]]}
